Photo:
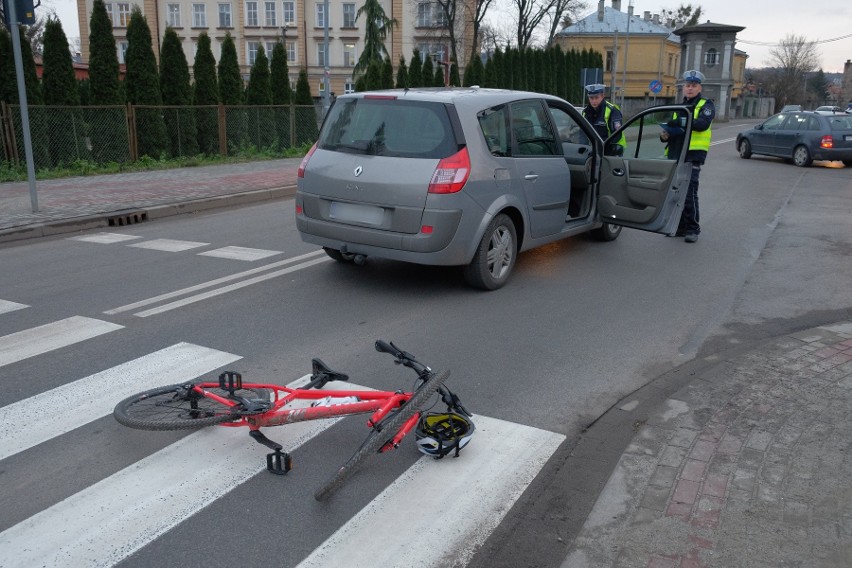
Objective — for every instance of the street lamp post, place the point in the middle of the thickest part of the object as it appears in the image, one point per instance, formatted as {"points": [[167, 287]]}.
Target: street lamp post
{"points": [[626, 47], [326, 71]]}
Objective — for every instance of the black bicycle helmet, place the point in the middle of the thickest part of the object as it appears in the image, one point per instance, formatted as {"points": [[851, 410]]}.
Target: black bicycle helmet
{"points": [[439, 433]]}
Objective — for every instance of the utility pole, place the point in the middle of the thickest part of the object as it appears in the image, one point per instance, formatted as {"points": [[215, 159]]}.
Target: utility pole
{"points": [[626, 49], [326, 71]]}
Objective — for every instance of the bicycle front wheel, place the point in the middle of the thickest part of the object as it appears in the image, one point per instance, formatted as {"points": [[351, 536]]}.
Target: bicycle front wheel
{"points": [[379, 437], [176, 407]]}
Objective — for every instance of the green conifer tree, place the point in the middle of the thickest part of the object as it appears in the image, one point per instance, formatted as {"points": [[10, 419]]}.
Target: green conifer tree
{"points": [[387, 74], [455, 79], [427, 72], [415, 70], [205, 96], [107, 126], [438, 81], [231, 95], [177, 97], [374, 76], [473, 73], [307, 130], [402, 74], [67, 141], [282, 94], [8, 82], [259, 97], [499, 74], [142, 84], [38, 118]]}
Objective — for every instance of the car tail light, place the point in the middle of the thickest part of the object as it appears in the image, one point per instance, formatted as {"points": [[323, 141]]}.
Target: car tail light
{"points": [[381, 97], [826, 142], [451, 174], [304, 163]]}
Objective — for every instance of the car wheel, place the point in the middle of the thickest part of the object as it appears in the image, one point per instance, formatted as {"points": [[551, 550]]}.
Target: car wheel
{"points": [[745, 149], [495, 256], [802, 157], [606, 232], [336, 255]]}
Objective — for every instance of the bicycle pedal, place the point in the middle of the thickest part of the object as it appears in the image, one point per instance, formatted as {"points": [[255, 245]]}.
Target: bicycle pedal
{"points": [[278, 462]]}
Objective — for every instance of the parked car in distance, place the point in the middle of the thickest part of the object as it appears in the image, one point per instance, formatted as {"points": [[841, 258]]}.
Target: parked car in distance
{"points": [[801, 137], [471, 177], [829, 110], [791, 108]]}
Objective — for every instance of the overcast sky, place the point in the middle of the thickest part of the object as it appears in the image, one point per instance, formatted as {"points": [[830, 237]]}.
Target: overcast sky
{"points": [[765, 23]]}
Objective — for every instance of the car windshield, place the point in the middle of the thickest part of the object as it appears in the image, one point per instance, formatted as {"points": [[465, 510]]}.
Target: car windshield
{"points": [[389, 126]]}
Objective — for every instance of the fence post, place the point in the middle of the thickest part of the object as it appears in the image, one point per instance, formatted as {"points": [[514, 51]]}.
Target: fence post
{"points": [[292, 125], [223, 132], [133, 144]]}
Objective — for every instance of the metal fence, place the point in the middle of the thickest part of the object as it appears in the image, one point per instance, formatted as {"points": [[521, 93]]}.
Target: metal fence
{"points": [[63, 136]]}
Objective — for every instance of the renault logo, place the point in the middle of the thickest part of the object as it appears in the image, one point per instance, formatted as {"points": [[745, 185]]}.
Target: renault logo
{"points": [[358, 171]]}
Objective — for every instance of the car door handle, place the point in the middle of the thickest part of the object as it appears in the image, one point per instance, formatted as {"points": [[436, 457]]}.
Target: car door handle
{"points": [[531, 177], [618, 172]]}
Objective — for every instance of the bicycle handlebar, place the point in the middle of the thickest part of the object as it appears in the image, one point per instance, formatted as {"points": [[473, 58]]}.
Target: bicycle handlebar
{"points": [[401, 357]]}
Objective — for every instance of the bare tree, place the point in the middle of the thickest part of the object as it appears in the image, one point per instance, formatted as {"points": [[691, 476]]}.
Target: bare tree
{"points": [[793, 58], [564, 13], [685, 15], [530, 14]]}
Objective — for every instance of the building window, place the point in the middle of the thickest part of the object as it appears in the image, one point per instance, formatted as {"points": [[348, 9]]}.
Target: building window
{"points": [[225, 16], [173, 18], [199, 15], [348, 87], [270, 45], [122, 51], [269, 12], [435, 51], [349, 15], [251, 14], [110, 12], [711, 58], [252, 51], [349, 55], [321, 55], [289, 13], [610, 60], [291, 52], [320, 15], [123, 15], [424, 15]]}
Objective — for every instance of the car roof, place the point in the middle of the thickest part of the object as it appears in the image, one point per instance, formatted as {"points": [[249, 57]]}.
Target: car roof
{"points": [[458, 96]]}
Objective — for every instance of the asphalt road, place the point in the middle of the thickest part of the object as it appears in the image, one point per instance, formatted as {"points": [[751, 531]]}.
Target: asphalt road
{"points": [[580, 325]]}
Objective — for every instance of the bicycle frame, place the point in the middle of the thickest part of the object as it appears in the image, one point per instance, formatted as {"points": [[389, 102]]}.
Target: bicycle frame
{"points": [[380, 403]]}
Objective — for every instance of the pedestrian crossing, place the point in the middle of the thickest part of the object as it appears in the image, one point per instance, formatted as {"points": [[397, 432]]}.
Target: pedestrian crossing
{"points": [[246, 254], [457, 501]]}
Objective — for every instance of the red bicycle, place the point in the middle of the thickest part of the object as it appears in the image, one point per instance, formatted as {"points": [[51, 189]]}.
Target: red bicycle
{"points": [[232, 402]]}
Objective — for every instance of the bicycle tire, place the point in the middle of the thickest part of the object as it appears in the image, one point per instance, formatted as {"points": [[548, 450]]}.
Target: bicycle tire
{"points": [[168, 408], [378, 438]]}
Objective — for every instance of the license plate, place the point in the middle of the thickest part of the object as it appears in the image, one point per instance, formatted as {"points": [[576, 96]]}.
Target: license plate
{"points": [[847, 137], [355, 213]]}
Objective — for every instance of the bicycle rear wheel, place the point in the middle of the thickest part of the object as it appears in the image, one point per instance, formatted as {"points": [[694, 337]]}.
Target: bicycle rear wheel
{"points": [[378, 438], [177, 407]]}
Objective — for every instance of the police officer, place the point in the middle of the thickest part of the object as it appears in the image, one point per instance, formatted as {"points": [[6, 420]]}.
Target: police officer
{"points": [[703, 113], [604, 116]]}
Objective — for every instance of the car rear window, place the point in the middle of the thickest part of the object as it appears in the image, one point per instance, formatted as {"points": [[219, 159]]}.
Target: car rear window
{"points": [[389, 127], [840, 122]]}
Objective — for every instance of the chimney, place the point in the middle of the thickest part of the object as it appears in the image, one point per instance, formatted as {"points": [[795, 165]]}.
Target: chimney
{"points": [[600, 10], [646, 15], [616, 5]]}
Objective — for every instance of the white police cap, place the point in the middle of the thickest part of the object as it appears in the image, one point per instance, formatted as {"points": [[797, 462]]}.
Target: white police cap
{"points": [[595, 89], [693, 76]]}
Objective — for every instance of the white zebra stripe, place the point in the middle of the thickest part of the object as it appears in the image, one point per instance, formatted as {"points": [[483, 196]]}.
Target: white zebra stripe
{"points": [[95, 396], [37, 340], [443, 506], [7, 306]]}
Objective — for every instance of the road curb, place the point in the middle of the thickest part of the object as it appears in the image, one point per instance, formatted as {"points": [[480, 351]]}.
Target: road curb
{"points": [[133, 215]]}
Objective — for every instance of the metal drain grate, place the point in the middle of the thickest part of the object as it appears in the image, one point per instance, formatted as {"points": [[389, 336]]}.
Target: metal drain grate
{"points": [[128, 219]]}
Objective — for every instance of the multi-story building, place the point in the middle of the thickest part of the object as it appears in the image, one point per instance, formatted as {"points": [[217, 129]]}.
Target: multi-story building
{"points": [[299, 23], [641, 53]]}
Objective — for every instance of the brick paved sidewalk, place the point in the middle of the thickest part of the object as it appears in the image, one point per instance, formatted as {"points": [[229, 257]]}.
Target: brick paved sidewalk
{"points": [[92, 200], [749, 464]]}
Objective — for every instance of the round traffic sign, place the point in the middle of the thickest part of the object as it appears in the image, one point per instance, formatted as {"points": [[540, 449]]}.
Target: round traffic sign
{"points": [[655, 86]]}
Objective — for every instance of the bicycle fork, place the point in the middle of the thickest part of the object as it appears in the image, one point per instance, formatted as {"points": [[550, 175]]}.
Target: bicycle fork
{"points": [[394, 442]]}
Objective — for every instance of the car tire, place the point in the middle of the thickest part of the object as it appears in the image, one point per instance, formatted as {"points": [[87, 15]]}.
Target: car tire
{"points": [[606, 232], [495, 256], [802, 156], [744, 148]]}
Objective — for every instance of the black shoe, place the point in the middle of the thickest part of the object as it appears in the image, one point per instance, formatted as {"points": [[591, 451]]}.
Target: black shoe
{"points": [[691, 237]]}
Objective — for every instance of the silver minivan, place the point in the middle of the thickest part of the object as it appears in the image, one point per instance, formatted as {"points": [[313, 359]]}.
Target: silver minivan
{"points": [[472, 177]]}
